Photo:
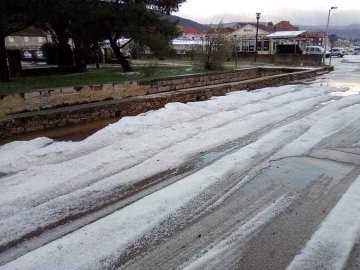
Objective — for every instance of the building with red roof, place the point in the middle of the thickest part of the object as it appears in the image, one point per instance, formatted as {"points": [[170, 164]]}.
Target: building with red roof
{"points": [[191, 33], [245, 36]]}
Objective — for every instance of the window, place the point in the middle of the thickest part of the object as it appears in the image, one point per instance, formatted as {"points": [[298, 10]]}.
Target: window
{"points": [[40, 39], [11, 39], [252, 45], [26, 39], [259, 44], [266, 45], [245, 45], [275, 43], [248, 45]]}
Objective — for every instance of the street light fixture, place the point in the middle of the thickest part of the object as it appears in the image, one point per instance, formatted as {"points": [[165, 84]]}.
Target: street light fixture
{"points": [[327, 31], [258, 14]]}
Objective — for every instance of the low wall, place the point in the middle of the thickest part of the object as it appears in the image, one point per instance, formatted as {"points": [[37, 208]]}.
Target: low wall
{"points": [[285, 59], [53, 98], [34, 121]]}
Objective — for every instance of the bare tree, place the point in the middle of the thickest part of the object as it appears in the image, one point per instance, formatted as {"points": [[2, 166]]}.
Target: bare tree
{"points": [[216, 48]]}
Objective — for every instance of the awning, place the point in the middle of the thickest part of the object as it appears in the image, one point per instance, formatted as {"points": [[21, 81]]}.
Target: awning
{"points": [[286, 34]]}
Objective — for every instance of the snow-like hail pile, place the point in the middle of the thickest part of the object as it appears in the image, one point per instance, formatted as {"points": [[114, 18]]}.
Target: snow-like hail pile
{"points": [[46, 181], [332, 243]]}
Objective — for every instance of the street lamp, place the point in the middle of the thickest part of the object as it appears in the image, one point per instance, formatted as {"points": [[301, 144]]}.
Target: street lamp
{"points": [[327, 30], [258, 14]]}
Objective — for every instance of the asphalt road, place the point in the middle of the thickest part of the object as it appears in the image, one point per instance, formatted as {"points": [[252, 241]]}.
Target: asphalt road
{"points": [[273, 188]]}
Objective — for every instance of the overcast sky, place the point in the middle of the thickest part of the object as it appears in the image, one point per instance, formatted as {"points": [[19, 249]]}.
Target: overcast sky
{"points": [[303, 12]]}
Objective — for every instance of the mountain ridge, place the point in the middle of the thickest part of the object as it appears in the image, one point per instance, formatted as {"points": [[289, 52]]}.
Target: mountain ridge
{"points": [[347, 31]]}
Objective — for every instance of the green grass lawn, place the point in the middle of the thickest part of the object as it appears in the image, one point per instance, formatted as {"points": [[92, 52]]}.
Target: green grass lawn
{"points": [[93, 76]]}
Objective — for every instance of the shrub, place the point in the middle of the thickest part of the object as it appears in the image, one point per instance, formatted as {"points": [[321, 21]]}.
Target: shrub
{"points": [[216, 49], [50, 52], [149, 70]]}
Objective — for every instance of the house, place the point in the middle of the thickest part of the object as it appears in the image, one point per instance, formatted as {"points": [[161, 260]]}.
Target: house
{"points": [[183, 46], [316, 39], [301, 38], [342, 43], [297, 38], [226, 30], [245, 38], [191, 38], [190, 33], [30, 39], [238, 25]]}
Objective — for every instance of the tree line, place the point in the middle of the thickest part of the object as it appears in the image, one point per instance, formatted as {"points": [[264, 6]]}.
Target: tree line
{"points": [[88, 22]]}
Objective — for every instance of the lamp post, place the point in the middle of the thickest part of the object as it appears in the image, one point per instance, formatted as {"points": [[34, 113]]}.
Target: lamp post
{"points": [[327, 30], [258, 14], [236, 52]]}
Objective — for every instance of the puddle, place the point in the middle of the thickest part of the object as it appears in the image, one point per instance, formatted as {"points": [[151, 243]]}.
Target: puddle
{"points": [[210, 157], [296, 173], [3, 175]]}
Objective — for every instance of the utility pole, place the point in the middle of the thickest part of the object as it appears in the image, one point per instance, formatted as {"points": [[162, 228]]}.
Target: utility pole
{"points": [[236, 54]]}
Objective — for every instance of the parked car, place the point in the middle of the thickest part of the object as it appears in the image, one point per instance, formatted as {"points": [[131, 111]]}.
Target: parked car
{"points": [[27, 55], [356, 51], [316, 50], [39, 54], [339, 52]]}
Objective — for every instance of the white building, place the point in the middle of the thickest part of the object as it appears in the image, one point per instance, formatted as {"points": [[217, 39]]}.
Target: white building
{"points": [[182, 46], [298, 39], [245, 38]]}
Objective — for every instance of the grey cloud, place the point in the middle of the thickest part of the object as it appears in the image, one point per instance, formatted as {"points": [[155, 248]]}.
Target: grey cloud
{"points": [[338, 18]]}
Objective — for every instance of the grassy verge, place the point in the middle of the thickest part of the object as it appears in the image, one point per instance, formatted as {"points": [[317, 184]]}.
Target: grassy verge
{"points": [[93, 76], [144, 69]]}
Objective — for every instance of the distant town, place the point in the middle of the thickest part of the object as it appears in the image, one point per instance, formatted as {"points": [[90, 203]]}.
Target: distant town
{"points": [[132, 138], [193, 35]]}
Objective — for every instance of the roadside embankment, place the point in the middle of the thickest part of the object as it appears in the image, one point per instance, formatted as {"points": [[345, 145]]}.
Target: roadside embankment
{"points": [[58, 108]]}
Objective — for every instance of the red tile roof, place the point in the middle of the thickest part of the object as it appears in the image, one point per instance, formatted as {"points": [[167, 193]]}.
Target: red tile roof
{"points": [[285, 26], [226, 30], [189, 30]]}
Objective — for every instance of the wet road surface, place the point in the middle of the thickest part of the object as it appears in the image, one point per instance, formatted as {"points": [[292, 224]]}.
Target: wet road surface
{"points": [[247, 181]]}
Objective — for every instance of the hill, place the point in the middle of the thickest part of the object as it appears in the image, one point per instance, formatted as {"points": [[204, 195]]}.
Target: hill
{"points": [[187, 22], [348, 31]]}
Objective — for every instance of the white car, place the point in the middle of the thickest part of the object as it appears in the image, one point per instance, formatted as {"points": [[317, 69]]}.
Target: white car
{"points": [[339, 52], [27, 55], [39, 54], [315, 50]]}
